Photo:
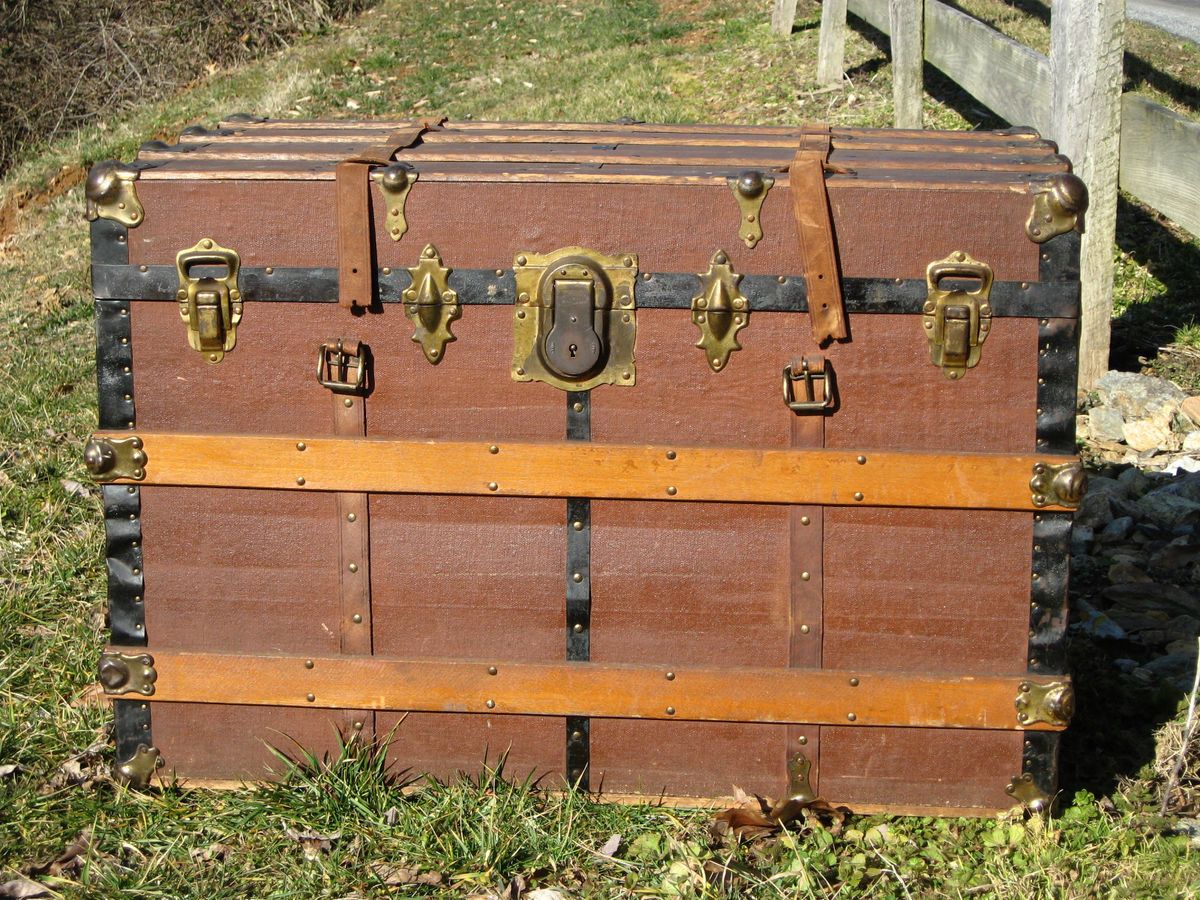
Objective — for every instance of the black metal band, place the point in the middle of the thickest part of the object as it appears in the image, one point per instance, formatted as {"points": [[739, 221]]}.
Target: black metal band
{"points": [[122, 503], [579, 590], [766, 293], [1058, 366]]}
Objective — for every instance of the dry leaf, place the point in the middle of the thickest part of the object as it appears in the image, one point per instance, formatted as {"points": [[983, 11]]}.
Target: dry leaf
{"points": [[544, 894], [352, 104], [73, 487], [9, 769], [211, 853], [67, 862], [610, 847], [758, 818], [397, 875], [20, 888], [90, 696], [312, 843], [391, 815]]}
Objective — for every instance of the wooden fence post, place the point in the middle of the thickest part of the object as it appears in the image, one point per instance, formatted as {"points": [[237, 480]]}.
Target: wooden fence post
{"points": [[1086, 64], [831, 52], [783, 17], [907, 18]]}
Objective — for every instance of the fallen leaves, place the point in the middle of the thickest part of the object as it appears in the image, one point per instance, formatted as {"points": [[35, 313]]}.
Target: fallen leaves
{"points": [[311, 843], [67, 863], [610, 847], [23, 888], [397, 875], [757, 817], [85, 770]]}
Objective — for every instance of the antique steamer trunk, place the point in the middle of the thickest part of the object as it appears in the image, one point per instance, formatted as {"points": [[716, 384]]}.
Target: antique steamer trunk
{"points": [[660, 458]]}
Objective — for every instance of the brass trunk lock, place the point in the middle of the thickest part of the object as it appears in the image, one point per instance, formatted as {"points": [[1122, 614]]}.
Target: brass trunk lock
{"points": [[210, 305], [430, 305], [957, 320], [719, 311], [575, 323]]}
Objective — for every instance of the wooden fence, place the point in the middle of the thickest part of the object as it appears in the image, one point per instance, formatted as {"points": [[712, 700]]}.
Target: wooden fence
{"points": [[1159, 150]]}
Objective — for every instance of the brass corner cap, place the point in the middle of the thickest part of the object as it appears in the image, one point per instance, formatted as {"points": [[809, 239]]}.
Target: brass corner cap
{"points": [[1059, 205], [1061, 484], [112, 458], [111, 194]]}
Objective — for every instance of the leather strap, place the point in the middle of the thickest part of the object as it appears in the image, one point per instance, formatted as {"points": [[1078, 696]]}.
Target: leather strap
{"points": [[356, 281], [814, 225]]}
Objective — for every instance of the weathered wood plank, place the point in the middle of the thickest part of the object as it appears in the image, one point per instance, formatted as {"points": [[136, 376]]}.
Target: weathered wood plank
{"points": [[783, 17], [609, 471], [1086, 60], [831, 48], [1160, 159], [691, 693], [908, 61]]}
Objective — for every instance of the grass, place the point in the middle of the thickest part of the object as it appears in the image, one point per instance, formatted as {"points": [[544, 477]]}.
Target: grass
{"points": [[597, 59]]}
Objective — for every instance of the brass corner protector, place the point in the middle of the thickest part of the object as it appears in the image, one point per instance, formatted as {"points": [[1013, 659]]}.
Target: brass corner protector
{"points": [[800, 787], [957, 320], [1059, 205], [750, 190], [1058, 485], [110, 458], [719, 311], [1025, 790], [431, 305], [1052, 703], [127, 673], [395, 181], [111, 194], [210, 306], [138, 769]]}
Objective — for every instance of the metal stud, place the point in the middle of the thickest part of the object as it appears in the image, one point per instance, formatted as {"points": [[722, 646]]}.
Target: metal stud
{"points": [[491, 704], [802, 739], [578, 526], [578, 628], [353, 567], [351, 517], [577, 577], [805, 576], [672, 490], [805, 520], [308, 664], [670, 710], [858, 495], [301, 446], [671, 454], [311, 698], [356, 619], [492, 670], [492, 486], [670, 676], [852, 717], [861, 460], [804, 629], [853, 682], [493, 449]]}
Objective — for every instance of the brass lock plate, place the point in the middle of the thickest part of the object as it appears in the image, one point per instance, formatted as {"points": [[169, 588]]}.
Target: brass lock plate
{"points": [[719, 311], [210, 306], [575, 318], [957, 320]]}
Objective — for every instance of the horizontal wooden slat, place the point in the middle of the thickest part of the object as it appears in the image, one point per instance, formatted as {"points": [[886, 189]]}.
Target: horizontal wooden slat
{"points": [[742, 694], [610, 471]]}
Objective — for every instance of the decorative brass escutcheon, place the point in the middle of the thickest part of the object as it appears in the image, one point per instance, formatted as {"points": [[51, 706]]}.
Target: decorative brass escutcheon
{"points": [[1058, 485], [575, 321], [1025, 791], [395, 181], [719, 311], [138, 769], [1052, 703], [957, 322], [110, 458], [111, 193], [211, 307], [1058, 207], [430, 305], [127, 673], [750, 190]]}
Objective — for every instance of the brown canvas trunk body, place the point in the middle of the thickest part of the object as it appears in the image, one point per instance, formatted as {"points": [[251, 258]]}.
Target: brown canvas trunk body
{"points": [[665, 585]]}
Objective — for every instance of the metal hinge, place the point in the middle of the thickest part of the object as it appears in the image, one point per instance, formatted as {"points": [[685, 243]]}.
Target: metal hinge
{"points": [[957, 321], [210, 306], [750, 190], [110, 458], [138, 769], [430, 305], [395, 181], [719, 311]]}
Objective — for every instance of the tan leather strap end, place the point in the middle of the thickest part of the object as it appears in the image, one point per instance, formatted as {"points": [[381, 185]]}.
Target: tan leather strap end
{"points": [[814, 225], [356, 279]]}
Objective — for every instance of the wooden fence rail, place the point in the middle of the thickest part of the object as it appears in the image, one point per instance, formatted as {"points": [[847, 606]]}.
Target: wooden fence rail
{"points": [[1159, 149]]}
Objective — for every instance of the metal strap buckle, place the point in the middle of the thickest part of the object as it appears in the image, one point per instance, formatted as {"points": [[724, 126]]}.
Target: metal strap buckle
{"points": [[811, 374], [342, 366]]}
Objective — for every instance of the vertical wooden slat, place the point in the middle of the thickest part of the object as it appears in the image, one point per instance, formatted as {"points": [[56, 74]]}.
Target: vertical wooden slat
{"points": [[907, 19], [831, 50], [783, 16], [1086, 57]]}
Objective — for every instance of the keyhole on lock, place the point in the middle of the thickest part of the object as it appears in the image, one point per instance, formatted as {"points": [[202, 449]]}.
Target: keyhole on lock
{"points": [[573, 349]]}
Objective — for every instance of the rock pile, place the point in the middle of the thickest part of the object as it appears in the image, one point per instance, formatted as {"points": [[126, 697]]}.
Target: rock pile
{"points": [[1135, 546]]}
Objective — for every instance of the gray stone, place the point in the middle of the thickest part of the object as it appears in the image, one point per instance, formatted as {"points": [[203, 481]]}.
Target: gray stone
{"points": [[1152, 433], [1117, 530], [1185, 485], [1097, 624], [1081, 540], [1094, 511], [1167, 510], [1125, 665], [1127, 573], [1183, 551], [1123, 508], [1135, 482], [1098, 484], [1138, 396], [1183, 464], [1106, 423], [1176, 667], [1166, 600], [1191, 408]]}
